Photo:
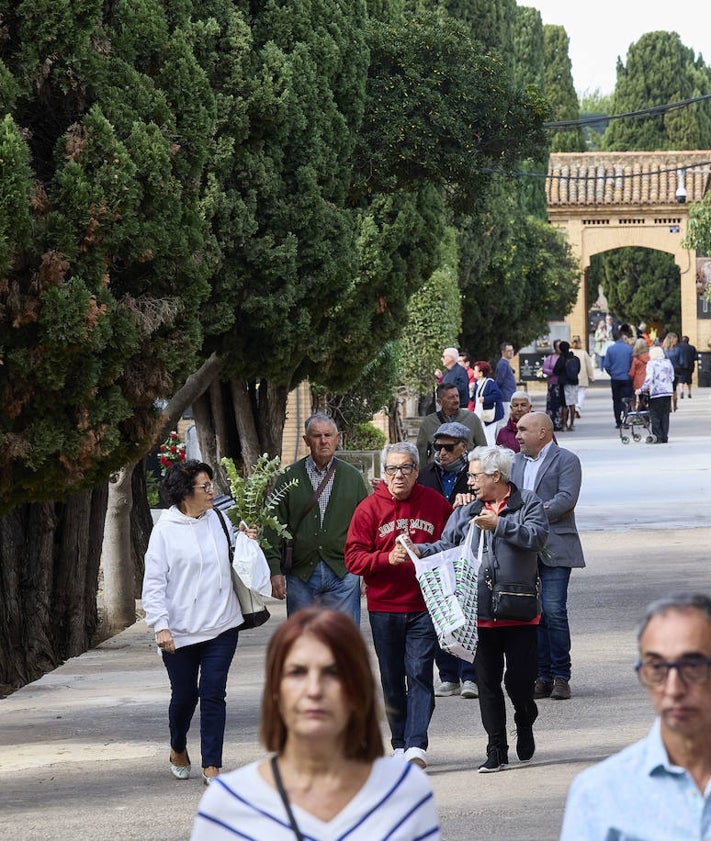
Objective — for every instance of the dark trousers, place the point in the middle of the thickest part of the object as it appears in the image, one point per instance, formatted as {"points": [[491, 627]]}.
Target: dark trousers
{"points": [[659, 411], [405, 645], [199, 672], [515, 647], [620, 389], [453, 669]]}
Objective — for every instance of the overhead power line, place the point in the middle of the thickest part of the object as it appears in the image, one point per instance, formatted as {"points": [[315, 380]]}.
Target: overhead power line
{"points": [[513, 173], [644, 112]]}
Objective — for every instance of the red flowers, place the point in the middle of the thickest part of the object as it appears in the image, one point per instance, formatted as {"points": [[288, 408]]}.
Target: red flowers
{"points": [[171, 450]]}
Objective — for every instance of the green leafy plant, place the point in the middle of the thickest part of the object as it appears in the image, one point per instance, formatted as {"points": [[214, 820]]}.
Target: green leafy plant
{"points": [[255, 499]]}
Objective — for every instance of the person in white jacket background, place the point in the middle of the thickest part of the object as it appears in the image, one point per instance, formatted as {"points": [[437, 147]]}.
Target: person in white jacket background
{"points": [[191, 606]]}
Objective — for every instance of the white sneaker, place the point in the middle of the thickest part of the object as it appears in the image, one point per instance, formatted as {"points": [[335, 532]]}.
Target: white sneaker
{"points": [[445, 688], [399, 753], [469, 689], [417, 756]]}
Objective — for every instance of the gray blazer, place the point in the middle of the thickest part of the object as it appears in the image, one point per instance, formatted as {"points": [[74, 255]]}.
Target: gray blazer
{"points": [[558, 485]]}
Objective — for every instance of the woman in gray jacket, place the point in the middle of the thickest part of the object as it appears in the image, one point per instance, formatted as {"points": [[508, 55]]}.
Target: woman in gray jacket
{"points": [[514, 528]]}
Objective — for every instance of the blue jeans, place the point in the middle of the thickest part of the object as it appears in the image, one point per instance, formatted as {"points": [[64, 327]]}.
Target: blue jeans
{"points": [[199, 672], [405, 645], [553, 632], [325, 589], [453, 669]]}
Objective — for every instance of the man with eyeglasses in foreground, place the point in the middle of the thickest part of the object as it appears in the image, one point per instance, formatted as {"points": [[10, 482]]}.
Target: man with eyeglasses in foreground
{"points": [[658, 789], [403, 635]]}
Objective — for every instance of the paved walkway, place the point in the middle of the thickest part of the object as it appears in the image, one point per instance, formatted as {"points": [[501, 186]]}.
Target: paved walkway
{"points": [[83, 750]]}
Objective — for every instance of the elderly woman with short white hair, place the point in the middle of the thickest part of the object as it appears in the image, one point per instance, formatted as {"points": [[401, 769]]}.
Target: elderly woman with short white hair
{"points": [[659, 385], [514, 529]]}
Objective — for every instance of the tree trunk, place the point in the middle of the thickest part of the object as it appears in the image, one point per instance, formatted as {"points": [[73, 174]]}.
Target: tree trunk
{"points": [[246, 427], [141, 525], [119, 600], [49, 570], [271, 415]]}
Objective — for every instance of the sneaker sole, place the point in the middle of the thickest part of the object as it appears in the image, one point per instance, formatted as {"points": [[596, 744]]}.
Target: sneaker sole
{"points": [[503, 767], [469, 694]]}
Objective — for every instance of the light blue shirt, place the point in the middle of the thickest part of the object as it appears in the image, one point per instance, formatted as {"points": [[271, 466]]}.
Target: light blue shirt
{"points": [[532, 466], [637, 795]]}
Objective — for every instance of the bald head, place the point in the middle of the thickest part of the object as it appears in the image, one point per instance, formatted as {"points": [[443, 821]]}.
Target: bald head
{"points": [[535, 430]]}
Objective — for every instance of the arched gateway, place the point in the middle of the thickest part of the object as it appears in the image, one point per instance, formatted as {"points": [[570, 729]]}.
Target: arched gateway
{"points": [[607, 200]]}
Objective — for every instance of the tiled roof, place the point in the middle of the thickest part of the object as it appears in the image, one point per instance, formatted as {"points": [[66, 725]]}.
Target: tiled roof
{"points": [[625, 178]]}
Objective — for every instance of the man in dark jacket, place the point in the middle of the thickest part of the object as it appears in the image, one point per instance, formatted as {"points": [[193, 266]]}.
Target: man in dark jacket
{"points": [[447, 474]]}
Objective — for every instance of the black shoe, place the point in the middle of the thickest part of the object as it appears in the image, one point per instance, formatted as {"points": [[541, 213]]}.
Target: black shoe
{"points": [[525, 743], [542, 688], [497, 759], [561, 689]]}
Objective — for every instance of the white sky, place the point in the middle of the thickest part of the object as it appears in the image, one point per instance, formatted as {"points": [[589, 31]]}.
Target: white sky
{"points": [[601, 31]]}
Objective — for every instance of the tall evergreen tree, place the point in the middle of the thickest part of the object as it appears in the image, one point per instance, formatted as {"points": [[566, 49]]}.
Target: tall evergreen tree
{"points": [[660, 69], [108, 125], [529, 62], [560, 91]]}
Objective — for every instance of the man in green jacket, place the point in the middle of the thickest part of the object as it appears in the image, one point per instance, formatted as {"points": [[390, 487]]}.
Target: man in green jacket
{"points": [[318, 574]]}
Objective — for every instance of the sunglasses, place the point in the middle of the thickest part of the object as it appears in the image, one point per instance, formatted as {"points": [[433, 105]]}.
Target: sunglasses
{"points": [[446, 447]]}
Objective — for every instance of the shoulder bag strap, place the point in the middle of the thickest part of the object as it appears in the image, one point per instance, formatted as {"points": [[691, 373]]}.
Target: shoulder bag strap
{"points": [[317, 494], [285, 799], [231, 548]]}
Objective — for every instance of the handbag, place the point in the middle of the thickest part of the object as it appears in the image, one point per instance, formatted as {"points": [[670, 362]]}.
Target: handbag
{"points": [[251, 601], [485, 415], [287, 544], [448, 581], [509, 600]]}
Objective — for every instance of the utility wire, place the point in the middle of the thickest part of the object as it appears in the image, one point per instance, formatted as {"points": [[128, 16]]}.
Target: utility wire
{"points": [[601, 118], [513, 173]]}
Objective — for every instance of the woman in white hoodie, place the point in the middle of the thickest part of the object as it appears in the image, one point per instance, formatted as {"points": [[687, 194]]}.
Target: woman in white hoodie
{"points": [[191, 606]]}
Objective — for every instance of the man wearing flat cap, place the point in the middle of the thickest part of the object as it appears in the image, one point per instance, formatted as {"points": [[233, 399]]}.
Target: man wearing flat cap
{"points": [[447, 474]]}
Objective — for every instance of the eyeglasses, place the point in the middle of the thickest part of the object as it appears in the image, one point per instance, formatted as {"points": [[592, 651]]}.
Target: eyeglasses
{"points": [[476, 475], [405, 469], [447, 447], [656, 672], [206, 486]]}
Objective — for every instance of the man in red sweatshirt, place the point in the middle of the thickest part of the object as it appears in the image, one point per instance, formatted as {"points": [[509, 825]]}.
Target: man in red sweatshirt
{"points": [[404, 638]]}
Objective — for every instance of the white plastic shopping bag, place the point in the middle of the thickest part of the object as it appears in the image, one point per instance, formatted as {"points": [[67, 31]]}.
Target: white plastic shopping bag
{"points": [[250, 564], [448, 581]]}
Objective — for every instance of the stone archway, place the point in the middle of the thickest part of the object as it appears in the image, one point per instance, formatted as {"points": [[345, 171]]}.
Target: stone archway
{"points": [[608, 200]]}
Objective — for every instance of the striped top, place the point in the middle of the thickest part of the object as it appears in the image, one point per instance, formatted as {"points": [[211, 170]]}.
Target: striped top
{"points": [[395, 803]]}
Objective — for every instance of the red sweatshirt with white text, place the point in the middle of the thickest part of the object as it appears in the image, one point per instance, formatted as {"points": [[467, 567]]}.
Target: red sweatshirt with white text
{"points": [[376, 522]]}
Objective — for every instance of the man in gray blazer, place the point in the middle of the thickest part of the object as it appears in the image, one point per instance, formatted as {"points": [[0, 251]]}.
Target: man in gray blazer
{"points": [[555, 476]]}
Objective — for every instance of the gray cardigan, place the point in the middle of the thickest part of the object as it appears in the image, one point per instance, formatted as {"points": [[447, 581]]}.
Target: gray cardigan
{"points": [[519, 536]]}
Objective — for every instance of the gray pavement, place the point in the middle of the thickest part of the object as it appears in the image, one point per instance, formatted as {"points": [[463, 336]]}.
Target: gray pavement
{"points": [[83, 750]]}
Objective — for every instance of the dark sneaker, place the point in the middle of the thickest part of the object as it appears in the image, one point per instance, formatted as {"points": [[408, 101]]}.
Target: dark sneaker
{"points": [[525, 743], [497, 759], [542, 688], [561, 690]]}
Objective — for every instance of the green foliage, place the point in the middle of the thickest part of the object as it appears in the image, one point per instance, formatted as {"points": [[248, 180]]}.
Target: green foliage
{"points": [[255, 502], [640, 285], [531, 277], [434, 320], [101, 239], [366, 437], [372, 391], [698, 232], [560, 91], [660, 69]]}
